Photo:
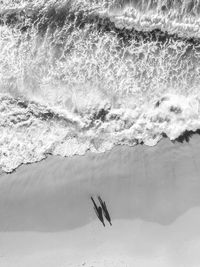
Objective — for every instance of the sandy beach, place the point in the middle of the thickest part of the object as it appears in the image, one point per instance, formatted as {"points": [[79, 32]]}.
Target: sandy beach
{"points": [[99, 133], [152, 194]]}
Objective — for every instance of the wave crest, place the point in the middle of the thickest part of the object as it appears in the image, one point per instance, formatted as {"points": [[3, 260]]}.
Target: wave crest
{"points": [[31, 131]]}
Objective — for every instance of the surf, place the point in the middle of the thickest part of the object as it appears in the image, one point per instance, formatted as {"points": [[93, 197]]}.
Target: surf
{"points": [[78, 76]]}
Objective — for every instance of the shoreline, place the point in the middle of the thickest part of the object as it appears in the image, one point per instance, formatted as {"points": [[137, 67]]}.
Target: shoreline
{"points": [[93, 174], [152, 195], [185, 137]]}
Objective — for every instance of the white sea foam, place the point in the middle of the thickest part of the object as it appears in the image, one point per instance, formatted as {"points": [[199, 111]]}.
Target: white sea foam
{"points": [[71, 81], [30, 132], [173, 21]]}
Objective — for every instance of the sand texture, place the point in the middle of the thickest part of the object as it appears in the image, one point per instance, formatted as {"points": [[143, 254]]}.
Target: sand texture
{"points": [[152, 193]]}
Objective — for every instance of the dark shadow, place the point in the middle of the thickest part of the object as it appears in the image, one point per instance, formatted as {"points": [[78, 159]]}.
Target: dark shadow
{"points": [[186, 136], [98, 211], [105, 210]]}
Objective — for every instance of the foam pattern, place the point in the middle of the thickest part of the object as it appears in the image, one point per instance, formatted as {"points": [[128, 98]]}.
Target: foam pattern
{"points": [[78, 76]]}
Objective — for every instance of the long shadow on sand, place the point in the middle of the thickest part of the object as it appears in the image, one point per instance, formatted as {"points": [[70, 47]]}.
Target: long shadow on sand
{"points": [[105, 210], [98, 211], [101, 210]]}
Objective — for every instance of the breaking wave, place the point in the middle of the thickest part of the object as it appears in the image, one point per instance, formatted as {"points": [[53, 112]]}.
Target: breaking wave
{"points": [[88, 75]]}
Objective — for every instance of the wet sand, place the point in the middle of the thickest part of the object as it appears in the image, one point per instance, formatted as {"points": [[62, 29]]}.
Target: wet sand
{"points": [[152, 194]]}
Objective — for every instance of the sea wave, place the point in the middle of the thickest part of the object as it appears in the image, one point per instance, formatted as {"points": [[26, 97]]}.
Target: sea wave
{"points": [[88, 75], [31, 131], [180, 18], [175, 17]]}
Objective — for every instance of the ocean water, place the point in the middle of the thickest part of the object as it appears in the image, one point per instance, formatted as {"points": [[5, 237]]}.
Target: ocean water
{"points": [[78, 76]]}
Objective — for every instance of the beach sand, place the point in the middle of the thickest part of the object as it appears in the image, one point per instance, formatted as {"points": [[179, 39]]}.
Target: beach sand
{"points": [[152, 193]]}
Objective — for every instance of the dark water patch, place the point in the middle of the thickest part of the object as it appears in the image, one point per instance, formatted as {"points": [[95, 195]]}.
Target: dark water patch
{"points": [[22, 104], [36, 110], [101, 114], [186, 136], [66, 16], [176, 110]]}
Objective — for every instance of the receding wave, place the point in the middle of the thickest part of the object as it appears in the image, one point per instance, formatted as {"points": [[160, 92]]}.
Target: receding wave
{"points": [[88, 75]]}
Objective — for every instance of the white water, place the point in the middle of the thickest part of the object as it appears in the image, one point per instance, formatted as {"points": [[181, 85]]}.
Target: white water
{"points": [[68, 86]]}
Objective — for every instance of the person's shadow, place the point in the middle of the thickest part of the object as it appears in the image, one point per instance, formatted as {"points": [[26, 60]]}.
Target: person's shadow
{"points": [[98, 211], [105, 210], [101, 210]]}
